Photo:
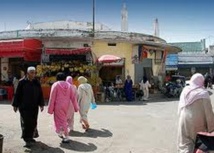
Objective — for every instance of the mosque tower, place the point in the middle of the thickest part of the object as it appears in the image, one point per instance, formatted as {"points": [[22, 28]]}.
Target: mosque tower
{"points": [[124, 18], [156, 28]]}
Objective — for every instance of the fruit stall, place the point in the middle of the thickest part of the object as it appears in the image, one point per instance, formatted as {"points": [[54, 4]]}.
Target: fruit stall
{"points": [[75, 65]]}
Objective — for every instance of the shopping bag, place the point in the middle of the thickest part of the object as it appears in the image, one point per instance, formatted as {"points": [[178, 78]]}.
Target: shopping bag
{"points": [[205, 141]]}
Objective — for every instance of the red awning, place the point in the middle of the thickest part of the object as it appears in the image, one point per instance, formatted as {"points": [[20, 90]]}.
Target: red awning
{"points": [[55, 51], [29, 49]]}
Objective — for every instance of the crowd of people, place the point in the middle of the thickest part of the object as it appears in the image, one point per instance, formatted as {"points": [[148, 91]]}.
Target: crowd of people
{"points": [[194, 109], [124, 89], [65, 99]]}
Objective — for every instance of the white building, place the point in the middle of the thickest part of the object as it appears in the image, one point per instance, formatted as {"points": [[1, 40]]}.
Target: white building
{"points": [[67, 25]]}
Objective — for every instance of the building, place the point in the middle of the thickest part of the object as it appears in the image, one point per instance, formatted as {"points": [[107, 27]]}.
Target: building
{"points": [[141, 54], [193, 58]]}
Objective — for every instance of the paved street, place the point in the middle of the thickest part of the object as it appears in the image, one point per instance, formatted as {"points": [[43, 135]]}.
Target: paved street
{"points": [[116, 128]]}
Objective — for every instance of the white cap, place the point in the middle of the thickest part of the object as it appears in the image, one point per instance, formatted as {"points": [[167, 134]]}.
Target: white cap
{"points": [[31, 68]]}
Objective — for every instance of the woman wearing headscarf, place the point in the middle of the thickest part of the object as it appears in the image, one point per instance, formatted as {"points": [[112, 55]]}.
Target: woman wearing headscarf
{"points": [[145, 85], [62, 96], [85, 98], [128, 88], [71, 111], [195, 114]]}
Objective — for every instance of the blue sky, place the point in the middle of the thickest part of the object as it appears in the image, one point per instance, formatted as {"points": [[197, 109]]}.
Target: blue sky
{"points": [[179, 20]]}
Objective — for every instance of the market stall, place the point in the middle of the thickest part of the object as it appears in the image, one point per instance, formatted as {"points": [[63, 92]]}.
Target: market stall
{"points": [[15, 55], [73, 62]]}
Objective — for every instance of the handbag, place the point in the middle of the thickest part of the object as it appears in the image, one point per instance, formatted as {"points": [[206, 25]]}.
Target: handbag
{"points": [[204, 141]]}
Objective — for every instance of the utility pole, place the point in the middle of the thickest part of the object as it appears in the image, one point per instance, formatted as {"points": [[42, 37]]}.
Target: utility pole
{"points": [[93, 30]]}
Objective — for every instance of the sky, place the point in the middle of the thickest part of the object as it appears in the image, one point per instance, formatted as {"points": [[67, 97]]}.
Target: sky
{"points": [[179, 20]]}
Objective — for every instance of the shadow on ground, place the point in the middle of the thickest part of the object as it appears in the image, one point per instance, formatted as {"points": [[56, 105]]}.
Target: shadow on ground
{"points": [[79, 146], [40, 147], [92, 133]]}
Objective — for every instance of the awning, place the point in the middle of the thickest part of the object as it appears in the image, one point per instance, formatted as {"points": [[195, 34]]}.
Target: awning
{"points": [[108, 59], [58, 51], [160, 46], [29, 49]]}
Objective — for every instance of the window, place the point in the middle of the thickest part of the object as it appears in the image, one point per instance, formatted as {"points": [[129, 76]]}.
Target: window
{"points": [[85, 45], [112, 44]]}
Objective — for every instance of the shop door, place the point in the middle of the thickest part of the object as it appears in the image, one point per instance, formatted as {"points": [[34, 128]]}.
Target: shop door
{"points": [[108, 74], [143, 68], [15, 67]]}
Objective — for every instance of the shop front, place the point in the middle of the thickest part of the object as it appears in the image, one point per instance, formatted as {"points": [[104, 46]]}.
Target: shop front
{"points": [[15, 56], [113, 69], [73, 62]]}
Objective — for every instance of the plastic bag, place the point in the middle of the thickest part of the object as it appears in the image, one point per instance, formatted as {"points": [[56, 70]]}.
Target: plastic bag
{"points": [[93, 105]]}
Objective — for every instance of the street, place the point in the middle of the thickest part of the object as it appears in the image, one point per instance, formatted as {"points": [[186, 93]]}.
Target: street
{"points": [[116, 128]]}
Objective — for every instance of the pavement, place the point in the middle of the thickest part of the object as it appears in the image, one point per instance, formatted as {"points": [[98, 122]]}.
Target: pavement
{"points": [[117, 127]]}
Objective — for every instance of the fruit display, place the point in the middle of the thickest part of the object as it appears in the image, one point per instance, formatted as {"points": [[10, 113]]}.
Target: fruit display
{"points": [[73, 68]]}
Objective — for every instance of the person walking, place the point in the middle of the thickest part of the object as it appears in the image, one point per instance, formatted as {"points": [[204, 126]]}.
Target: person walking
{"points": [[145, 85], [85, 98], [71, 111], [62, 96], [28, 98], [195, 114], [128, 88]]}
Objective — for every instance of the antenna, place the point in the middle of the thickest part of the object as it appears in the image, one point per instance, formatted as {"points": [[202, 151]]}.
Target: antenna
{"points": [[124, 18], [156, 28]]}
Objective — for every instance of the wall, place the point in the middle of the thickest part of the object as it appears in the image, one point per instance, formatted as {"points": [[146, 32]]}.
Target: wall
{"points": [[67, 25], [4, 69], [123, 50], [156, 65], [64, 43]]}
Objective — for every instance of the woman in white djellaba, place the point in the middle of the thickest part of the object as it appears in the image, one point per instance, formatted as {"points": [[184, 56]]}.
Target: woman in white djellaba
{"points": [[85, 98], [195, 114]]}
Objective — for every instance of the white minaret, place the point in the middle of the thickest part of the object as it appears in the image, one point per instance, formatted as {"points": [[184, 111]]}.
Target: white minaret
{"points": [[156, 28], [124, 18]]}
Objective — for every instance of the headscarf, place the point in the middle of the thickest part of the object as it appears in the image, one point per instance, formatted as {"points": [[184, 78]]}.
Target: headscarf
{"points": [[69, 79], [60, 76], [31, 68], [82, 80], [145, 79], [193, 92]]}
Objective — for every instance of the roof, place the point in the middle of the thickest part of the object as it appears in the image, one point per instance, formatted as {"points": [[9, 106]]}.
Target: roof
{"points": [[190, 46], [193, 58]]}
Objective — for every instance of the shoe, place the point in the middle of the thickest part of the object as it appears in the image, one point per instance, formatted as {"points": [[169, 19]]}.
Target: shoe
{"points": [[84, 126], [32, 141], [65, 140], [36, 134], [27, 144], [60, 135]]}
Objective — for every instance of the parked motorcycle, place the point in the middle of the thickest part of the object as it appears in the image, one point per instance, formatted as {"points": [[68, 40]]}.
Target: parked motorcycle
{"points": [[172, 89]]}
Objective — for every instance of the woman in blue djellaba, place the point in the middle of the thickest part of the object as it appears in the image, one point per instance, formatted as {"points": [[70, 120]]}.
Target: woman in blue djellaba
{"points": [[128, 88]]}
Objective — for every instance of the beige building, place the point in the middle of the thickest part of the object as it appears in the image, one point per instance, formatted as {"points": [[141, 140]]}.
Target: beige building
{"points": [[142, 54]]}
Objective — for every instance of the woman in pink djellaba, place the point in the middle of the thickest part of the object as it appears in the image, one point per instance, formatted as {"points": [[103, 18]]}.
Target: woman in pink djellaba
{"points": [[62, 96], [71, 111]]}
